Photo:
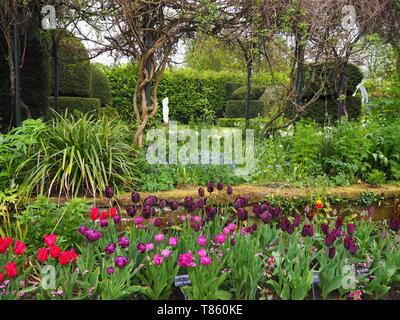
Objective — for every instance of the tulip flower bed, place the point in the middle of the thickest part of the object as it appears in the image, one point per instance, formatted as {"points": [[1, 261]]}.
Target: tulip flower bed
{"points": [[236, 251]]}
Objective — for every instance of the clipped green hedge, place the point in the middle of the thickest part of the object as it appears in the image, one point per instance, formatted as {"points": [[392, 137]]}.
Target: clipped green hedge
{"points": [[100, 86], [75, 74], [237, 108], [328, 75], [240, 93], [191, 93], [317, 109], [80, 104]]}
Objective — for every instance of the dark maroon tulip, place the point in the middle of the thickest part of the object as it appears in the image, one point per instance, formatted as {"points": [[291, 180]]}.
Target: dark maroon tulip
{"points": [[174, 205], [117, 219], [157, 222], [337, 232], [109, 192], [331, 252], [242, 214], [150, 201], [251, 231], [141, 247], [233, 242], [146, 211], [266, 217], [347, 242], [163, 203], [210, 213], [200, 203], [297, 220], [339, 223], [351, 228], [240, 202], [276, 211], [188, 202], [330, 238], [290, 228], [308, 230], [135, 197], [256, 210], [254, 226], [169, 224], [229, 191], [353, 248], [165, 231], [131, 211], [201, 192], [264, 207], [284, 224], [395, 224], [210, 187], [220, 186], [325, 228], [197, 228]]}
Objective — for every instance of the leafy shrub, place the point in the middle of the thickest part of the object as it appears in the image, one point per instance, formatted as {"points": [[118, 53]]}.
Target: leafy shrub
{"points": [[376, 177], [237, 108], [80, 104], [230, 87], [75, 76], [325, 109], [327, 74], [100, 86], [241, 93], [80, 156]]}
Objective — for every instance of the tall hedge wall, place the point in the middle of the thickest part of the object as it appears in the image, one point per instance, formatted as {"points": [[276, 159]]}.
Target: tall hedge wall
{"points": [[100, 86], [190, 92]]}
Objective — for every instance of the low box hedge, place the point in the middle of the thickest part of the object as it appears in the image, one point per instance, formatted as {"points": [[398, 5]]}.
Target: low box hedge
{"points": [[237, 108], [83, 105]]}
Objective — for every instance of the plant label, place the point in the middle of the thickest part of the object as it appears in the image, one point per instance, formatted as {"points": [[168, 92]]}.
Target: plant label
{"points": [[316, 277], [182, 281]]}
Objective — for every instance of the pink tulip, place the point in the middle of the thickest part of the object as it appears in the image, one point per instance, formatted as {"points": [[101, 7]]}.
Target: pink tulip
{"points": [[232, 226], [201, 252], [220, 238], [197, 219], [138, 220], [201, 241], [158, 259], [173, 241], [226, 231], [159, 237], [165, 253], [204, 260], [149, 246]]}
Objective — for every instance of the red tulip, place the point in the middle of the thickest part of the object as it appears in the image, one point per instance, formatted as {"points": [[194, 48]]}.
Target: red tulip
{"points": [[43, 254], [11, 269], [5, 243], [50, 240], [55, 252], [19, 247]]}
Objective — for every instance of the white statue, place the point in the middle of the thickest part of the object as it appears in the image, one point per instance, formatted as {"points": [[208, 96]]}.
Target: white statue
{"points": [[165, 110], [364, 93]]}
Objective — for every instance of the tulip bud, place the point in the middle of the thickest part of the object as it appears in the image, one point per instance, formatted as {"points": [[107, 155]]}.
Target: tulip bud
{"points": [[131, 211], [201, 192], [135, 197], [220, 186], [229, 191], [109, 192]]}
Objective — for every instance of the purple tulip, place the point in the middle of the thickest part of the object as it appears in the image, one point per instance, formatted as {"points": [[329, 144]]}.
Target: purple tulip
{"points": [[169, 223], [123, 242], [256, 210], [141, 247], [233, 242], [331, 252], [240, 202], [276, 211], [150, 201], [201, 192], [135, 197], [110, 270], [290, 228], [347, 242], [200, 203], [188, 202], [117, 219], [330, 238], [308, 230], [266, 217], [229, 191], [163, 203], [174, 205], [284, 224], [339, 223], [325, 228], [210, 212], [121, 261], [157, 222], [395, 224], [242, 214], [131, 211], [210, 187], [104, 223], [109, 192], [264, 207], [296, 221], [254, 226], [220, 186], [146, 212], [82, 229], [92, 235], [110, 248], [351, 228], [353, 248]]}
